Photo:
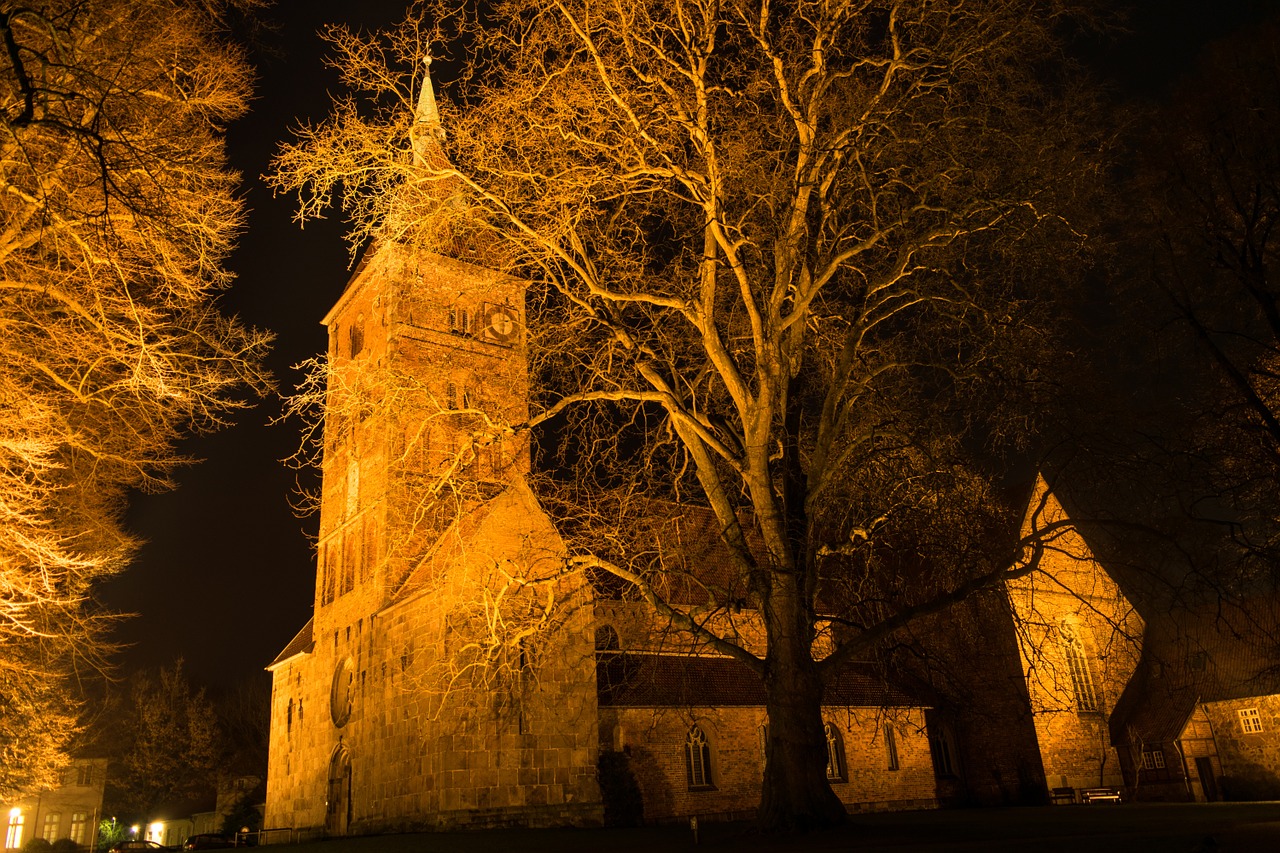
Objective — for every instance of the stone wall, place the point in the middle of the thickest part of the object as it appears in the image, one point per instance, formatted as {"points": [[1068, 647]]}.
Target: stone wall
{"points": [[654, 740], [1250, 760], [1079, 640]]}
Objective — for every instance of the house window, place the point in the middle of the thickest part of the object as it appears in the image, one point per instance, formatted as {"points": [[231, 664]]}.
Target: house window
{"points": [[697, 759], [451, 396], [288, 719], [1153, 759], [84, 775], [51, 821], [13, 838], [890, 747], [1250, 721], [79, 821], [1078, 665], [764, 744], [835, 753]]}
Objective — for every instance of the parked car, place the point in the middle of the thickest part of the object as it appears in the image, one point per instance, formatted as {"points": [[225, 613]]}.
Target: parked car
{"points": [[208, 841], [136, 845]]}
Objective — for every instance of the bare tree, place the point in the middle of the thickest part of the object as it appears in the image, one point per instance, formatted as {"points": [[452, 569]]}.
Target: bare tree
{"points": [[778, 252], [117, 214], [1209, 199]]}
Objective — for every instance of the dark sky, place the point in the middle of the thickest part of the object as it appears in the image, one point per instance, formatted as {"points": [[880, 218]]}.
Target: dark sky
{"points": [[226, 576]]}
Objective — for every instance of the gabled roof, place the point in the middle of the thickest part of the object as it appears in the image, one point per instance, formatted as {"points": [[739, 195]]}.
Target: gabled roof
{"points": [[301, 644], [637, 680], [1216, 653]]}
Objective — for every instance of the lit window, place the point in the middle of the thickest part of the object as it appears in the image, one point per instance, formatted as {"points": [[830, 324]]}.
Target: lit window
{"points": [[79, 821], [891, 746], [835, 753], [1078, 665], [1153, 759], [1250, 722], [13, 838], [51, 821], [697, 759]]}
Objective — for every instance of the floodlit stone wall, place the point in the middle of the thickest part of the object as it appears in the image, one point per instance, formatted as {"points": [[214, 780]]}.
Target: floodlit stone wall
{"points": [[1248, 745], [1079, 639], [653, 739]]}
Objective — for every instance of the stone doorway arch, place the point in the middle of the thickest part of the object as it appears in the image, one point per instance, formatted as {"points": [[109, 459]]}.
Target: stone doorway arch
{"points": [[338, 800]]}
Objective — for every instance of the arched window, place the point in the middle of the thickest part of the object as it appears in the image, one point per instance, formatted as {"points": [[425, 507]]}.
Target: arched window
{"points": [[1078, 666], [356, 334], [288, 718], [697, 759], [607, 639], [835, 753], [763, 733], [890, 747]]}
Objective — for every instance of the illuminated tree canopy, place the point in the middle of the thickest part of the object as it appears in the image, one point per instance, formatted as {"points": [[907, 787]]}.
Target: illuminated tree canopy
{"points": [[117, 213]]}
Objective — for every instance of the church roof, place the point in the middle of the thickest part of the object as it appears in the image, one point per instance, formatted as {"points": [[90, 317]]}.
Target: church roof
{"points": [[301, 644], [636, 680]]}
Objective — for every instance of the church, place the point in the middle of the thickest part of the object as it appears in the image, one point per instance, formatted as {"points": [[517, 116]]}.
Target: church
{"points": [[457, 673]]}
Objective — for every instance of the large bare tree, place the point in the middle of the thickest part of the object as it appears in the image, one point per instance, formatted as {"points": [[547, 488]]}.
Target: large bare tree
{"points": [[778, 253], [117, 211]]}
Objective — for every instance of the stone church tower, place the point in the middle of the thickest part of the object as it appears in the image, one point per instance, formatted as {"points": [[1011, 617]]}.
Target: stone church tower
{"points": [[388, 709]]}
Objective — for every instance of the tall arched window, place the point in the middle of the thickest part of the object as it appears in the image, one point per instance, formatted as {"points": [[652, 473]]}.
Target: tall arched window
{"points": [[356, 335], [1078, 666], [835, 753], [697, 758]]}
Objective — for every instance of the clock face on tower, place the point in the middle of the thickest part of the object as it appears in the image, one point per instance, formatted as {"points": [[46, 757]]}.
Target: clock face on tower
{"points": [[500, 324]]}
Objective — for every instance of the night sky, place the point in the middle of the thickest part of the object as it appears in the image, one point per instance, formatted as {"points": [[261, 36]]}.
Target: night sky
{"points": [[227, 574]]}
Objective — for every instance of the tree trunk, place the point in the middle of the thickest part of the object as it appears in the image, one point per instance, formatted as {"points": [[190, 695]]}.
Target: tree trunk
{"points": [[797, 795]]}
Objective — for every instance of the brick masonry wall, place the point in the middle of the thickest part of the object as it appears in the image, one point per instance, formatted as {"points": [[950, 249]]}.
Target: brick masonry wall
{"points": [[655, 742]]}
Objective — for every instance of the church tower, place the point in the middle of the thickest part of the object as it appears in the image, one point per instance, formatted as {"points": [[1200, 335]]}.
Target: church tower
{"points": [[427, 376]]}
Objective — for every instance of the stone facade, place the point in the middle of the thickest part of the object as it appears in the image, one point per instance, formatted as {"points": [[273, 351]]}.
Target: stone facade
{"points": [[865, 777], [1079, 639], [1248, 745]]}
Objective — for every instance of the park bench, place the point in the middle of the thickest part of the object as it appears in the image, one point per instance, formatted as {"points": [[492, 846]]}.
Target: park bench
{"points": [[1062, 795], [1100, 795]]}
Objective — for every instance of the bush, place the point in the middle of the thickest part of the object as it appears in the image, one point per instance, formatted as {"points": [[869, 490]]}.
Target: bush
{"points": [[37, 845], [65, 845]]}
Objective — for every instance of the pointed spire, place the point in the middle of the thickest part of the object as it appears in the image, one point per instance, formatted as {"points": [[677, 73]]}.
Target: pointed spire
{"points": [[426, 120]]}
